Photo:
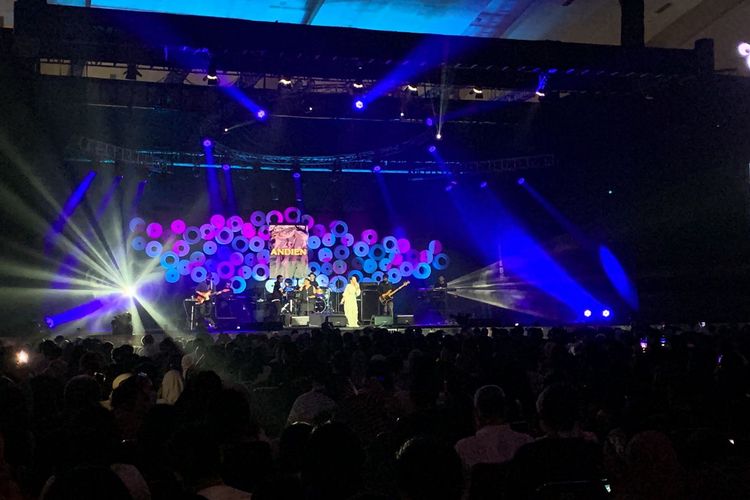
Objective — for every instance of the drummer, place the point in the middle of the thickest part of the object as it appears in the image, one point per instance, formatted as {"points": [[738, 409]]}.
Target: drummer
{"points": [[309, 291]]}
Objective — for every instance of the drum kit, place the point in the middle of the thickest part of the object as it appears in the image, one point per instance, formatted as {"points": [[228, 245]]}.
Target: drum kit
{"points": [[303, 301]]}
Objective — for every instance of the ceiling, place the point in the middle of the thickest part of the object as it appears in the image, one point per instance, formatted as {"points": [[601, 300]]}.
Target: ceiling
{"points": [[668, 23]]}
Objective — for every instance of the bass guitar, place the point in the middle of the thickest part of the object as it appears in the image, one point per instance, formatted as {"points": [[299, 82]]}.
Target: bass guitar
{"points": [[201, 297], [388, 296]]}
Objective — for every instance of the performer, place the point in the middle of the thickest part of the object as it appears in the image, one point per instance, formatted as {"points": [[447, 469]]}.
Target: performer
{"points": [[308, 292], [349, 301], [276, 295], [441, 283], [204, 306], [385, 286]]}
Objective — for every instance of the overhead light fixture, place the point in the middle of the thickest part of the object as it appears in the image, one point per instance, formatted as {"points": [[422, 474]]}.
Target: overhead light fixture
{"points": [[212, 77], [132, 73], [410, 87], [358, 84], [477, 90], [285, 82], [359, 104]]}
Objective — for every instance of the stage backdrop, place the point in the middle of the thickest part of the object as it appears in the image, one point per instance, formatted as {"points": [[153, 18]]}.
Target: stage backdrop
{"points": [[288, 244]]}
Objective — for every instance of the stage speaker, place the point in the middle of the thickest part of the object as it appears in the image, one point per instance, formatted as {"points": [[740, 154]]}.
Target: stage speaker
{"points": [[381, 321], [299, 321], [404, 319], [317, 319], [370, 303]]}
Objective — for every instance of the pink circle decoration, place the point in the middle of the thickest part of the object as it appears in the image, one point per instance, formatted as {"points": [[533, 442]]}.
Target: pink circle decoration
{"points": [[236, 258], [435, 247], [264, 232], [137, 225], [370, 236], [225, 270], [154, 230], [404, 245], [308, 220], [250, 260], [397, 259], [325, 255], [425, 256], [235, 223], [209, 248], [319, 230], [292, 214], [178, 226], [224, 236], [263, 257], [274, 217], [347, 239], [248, 230], [208, 232], [339, 267], [181, 248], [406, 268], [338, 228], [218, 221], [258, 218], [328, 239]]}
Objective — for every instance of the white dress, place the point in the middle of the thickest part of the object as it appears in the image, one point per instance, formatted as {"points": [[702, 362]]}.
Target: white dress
{"points": [[351, 310]]}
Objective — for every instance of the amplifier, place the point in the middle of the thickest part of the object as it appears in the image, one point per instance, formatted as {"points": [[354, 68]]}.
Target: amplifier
{"points": [[317, 319], [381, 321], [299, 320], [404, 319]]}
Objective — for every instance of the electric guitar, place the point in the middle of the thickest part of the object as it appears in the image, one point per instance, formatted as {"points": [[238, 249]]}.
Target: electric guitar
{"points": [[388, 296], [201, 297]]}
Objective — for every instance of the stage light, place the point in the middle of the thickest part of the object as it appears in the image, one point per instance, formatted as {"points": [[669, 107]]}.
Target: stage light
{"points": [[359, 104], [22, 357], [129, 291], [285, 82], [432, 148], [226, 130], [132, 72], [483, 184], [377, 168], [606, 313], [609, 191], [410, 87], [438, 136], [212, 78], [587, 313], [429, 122], [477, 90], [226, 167], [260, 114], [744, 49], [207, 143], [49, 322], [358, 84], [521, 181], [401, 114], [541, 85], [296, 173]]}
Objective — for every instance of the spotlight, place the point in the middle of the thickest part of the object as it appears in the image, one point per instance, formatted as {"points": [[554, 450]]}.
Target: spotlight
{"points": [[285, 82], [207, 143], [483, 184], [744, 49], [358, 84], [377, 168], [587, 313], [22, 357], [260, 114], [359, 104], [129, 292], [521, 181], [401, 114], [212, 78], [296, 173], [410, 87], [429, 122], [49, 322], [226, 167], [432, 148], [606, 313], [541, 85], [477, 90], [438, 136], [226, 129], [132, 72]]}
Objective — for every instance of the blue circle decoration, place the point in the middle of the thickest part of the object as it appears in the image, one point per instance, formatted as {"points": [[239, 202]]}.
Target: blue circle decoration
{"points": [[339, 267], [169, 259], [383, 264], [260, 272], [172, 276], [292, 214], [406, 268], [246, 272], [356, 273], [192, 235], [274, 214], [250, 259], [138, 243], [394, 275], [377, 251], [422, 271], [240, 243], [137, 225], [357, 263], [328, 239], [313, 242], [235, 223], [207, 231], [153, 249], [224, 235], [263, 257], [269, 286], [199, 274], [361, 249], [198, 257], [313, 267], [347, 239], [390, 243], [441, 261], [209, 248], [256, 244], [326, 269], [325, 254], [337, 284], [341, 252], [184, 267], [323, 280], [181, 248], [238, 284], [377, 276], [338, 228], [258, 218], [370, 266]]}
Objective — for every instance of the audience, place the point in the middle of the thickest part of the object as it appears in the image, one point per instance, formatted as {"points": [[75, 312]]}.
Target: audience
{"points": [[626, 414]]}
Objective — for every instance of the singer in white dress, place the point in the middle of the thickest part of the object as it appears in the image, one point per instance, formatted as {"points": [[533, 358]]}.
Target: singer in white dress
{"points": [[349, 301]]}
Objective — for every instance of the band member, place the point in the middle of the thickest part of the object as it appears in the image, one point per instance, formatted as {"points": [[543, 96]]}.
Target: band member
{"points": [[308, 291], [349, 301], [276, 295], [441, 283], [385, 286], [204, 310]]}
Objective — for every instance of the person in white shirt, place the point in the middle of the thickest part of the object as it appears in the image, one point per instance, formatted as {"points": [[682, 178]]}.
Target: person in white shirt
{"points": [[494, 442], [349, 301]]}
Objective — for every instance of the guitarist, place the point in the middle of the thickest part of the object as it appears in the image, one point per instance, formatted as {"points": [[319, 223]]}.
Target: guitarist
{"points": [[386, 306], [204, 307]]}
